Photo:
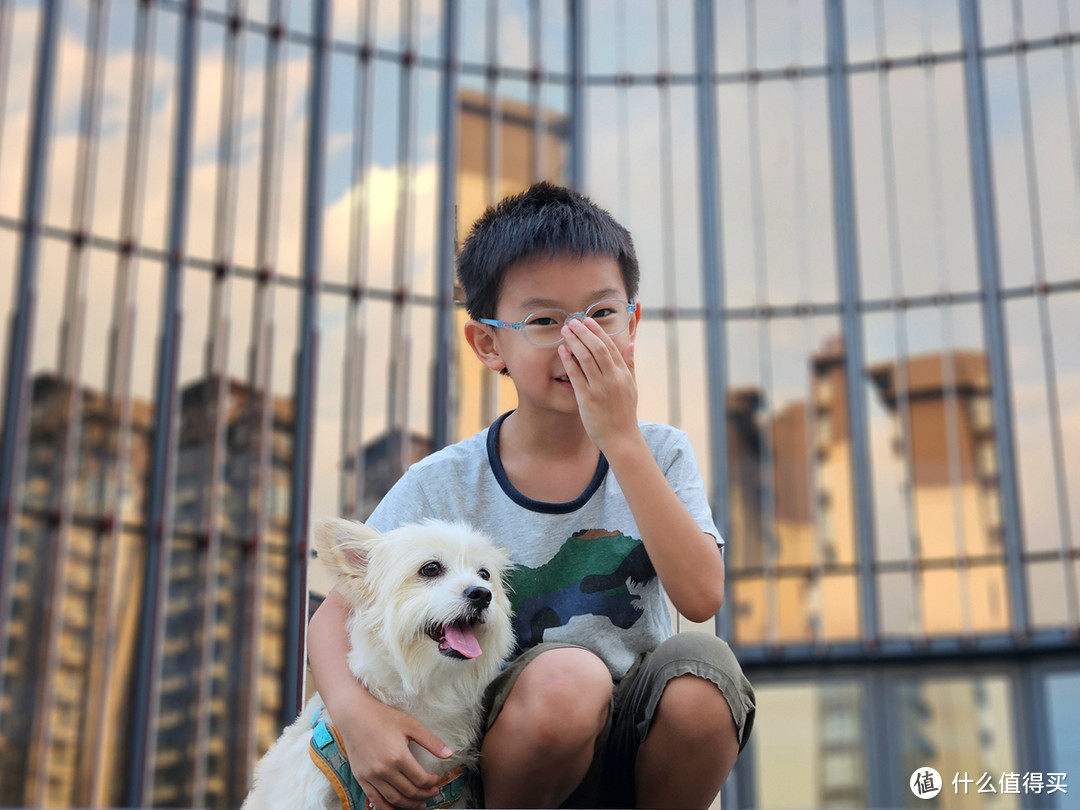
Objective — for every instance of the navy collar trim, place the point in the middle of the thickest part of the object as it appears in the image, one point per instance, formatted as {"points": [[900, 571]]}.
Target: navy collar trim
{"points": [[523, 500]]}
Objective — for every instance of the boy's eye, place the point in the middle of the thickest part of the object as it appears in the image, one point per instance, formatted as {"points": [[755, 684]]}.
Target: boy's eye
{"points": [[542, 320], [431, 570], [602, 313], [485, 574]]}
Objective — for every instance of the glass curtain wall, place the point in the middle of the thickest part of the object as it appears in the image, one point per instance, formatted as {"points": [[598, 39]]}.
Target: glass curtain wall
{"points": [[227, 232]]}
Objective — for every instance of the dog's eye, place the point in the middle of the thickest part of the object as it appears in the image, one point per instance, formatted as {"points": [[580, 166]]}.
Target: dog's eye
{"points": [[431, 570], [485, 574]]}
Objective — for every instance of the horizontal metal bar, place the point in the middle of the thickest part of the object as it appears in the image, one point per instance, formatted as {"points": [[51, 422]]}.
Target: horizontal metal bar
{"points": [[759, 661], [515, 73], [779, 311]]}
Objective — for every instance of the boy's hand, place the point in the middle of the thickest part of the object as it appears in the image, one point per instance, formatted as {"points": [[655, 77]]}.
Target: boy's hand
{"points": [[378, 751], [603, 378]]}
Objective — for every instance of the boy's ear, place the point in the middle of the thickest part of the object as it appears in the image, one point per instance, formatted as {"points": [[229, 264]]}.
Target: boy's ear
{"points": [[481, 338]]}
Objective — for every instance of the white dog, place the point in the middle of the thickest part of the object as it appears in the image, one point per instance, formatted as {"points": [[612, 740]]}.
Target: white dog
{"points": [[429, 628]]}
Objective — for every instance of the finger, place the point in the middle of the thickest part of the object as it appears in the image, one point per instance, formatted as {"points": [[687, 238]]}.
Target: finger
{"points": [[376, 800], [584, 346], [573, 368], [608, 355], [401, 794], [427, 740]]}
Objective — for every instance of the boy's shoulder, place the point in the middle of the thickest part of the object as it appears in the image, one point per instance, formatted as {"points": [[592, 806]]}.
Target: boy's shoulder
{"points": [[467, 452]]}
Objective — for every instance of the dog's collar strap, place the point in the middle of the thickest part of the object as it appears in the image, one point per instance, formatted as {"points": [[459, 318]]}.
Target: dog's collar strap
{"points": [[328, 753]]}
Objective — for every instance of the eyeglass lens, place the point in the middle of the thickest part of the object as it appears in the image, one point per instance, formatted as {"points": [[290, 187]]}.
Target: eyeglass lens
{"points": [[544, 327]]}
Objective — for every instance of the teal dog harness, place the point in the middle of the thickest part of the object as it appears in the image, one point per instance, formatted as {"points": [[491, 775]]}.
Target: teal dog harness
{"points": [[328, 753]]}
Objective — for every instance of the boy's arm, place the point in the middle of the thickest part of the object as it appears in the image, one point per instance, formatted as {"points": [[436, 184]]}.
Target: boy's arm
{"points": [[376, 736], [687, 560]]}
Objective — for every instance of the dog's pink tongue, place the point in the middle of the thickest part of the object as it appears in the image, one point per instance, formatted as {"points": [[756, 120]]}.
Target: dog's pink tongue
{"points": [[461, 638]]}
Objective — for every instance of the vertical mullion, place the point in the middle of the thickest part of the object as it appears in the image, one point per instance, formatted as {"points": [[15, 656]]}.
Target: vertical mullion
{"points": [[622, 125], [69, 368], [900, 335], [1072, 96], [844, 209], [766, 456], [260, 380], [984, 209], [667, 215], [539, 133], [577, 41], [353, 483], [445, 406], [147, 687], [400, 335], [17, 386], [216, 384], [802, 207], [118, 377], [1053, 401], [306, 364], [7, 13], [712, 272], [489, 396]]}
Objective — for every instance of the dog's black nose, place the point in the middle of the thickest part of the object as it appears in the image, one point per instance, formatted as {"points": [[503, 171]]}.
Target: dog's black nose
{"points": [[479, 597]]}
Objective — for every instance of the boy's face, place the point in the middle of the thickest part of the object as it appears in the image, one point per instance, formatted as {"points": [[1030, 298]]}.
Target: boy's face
{"points": [[563, 282]]}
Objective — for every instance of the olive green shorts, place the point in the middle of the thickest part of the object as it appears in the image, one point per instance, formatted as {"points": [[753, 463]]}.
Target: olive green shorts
{"points": [[610, 779]]}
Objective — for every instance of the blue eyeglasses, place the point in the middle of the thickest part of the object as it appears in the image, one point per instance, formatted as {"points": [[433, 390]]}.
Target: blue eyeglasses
{"points": [[544, 327]]}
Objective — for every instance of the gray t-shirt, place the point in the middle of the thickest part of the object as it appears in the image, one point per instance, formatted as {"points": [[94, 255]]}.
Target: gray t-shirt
{"points": [[582, 573]]}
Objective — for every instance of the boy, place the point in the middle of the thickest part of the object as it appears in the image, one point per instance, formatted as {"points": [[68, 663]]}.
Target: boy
{"points": [[603, 707]]}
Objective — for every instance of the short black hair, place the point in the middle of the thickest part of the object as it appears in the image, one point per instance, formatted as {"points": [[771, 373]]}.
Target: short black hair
{"points": [[544, 219]]}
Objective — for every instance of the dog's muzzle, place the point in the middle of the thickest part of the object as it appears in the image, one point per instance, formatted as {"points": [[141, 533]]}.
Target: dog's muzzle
{"points": [[457, 639]]}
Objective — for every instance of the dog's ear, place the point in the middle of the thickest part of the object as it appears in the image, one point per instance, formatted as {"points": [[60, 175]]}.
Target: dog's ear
{"points": [[344, 545]]}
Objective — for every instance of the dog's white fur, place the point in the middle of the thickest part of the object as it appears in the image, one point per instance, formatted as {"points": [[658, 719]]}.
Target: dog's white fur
{"points": [[395, 602]]}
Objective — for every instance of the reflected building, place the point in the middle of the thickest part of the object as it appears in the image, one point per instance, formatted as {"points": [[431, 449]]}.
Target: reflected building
{"points": [[76, 598], [225, 612], [790, 486], [944, 440]]}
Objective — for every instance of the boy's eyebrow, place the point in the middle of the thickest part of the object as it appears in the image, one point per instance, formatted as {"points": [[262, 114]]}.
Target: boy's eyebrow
{"points": [[531, 304]]}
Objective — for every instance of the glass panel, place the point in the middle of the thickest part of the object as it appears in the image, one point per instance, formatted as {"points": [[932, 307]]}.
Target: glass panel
{"points": [[989, 594], [1063, 711], [1035, 441], [514, 49], [915, 234], [747, 597], [1056, 186], [996, 21], [1048, 604], [958, 726], [18, 97], [473, 22], [816, 731], [897, 600], [841, 618], [1065, 332]]}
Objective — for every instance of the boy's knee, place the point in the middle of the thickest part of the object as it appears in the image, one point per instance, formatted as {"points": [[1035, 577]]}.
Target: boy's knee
{"points": [[561, 699], [695, 709]]}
